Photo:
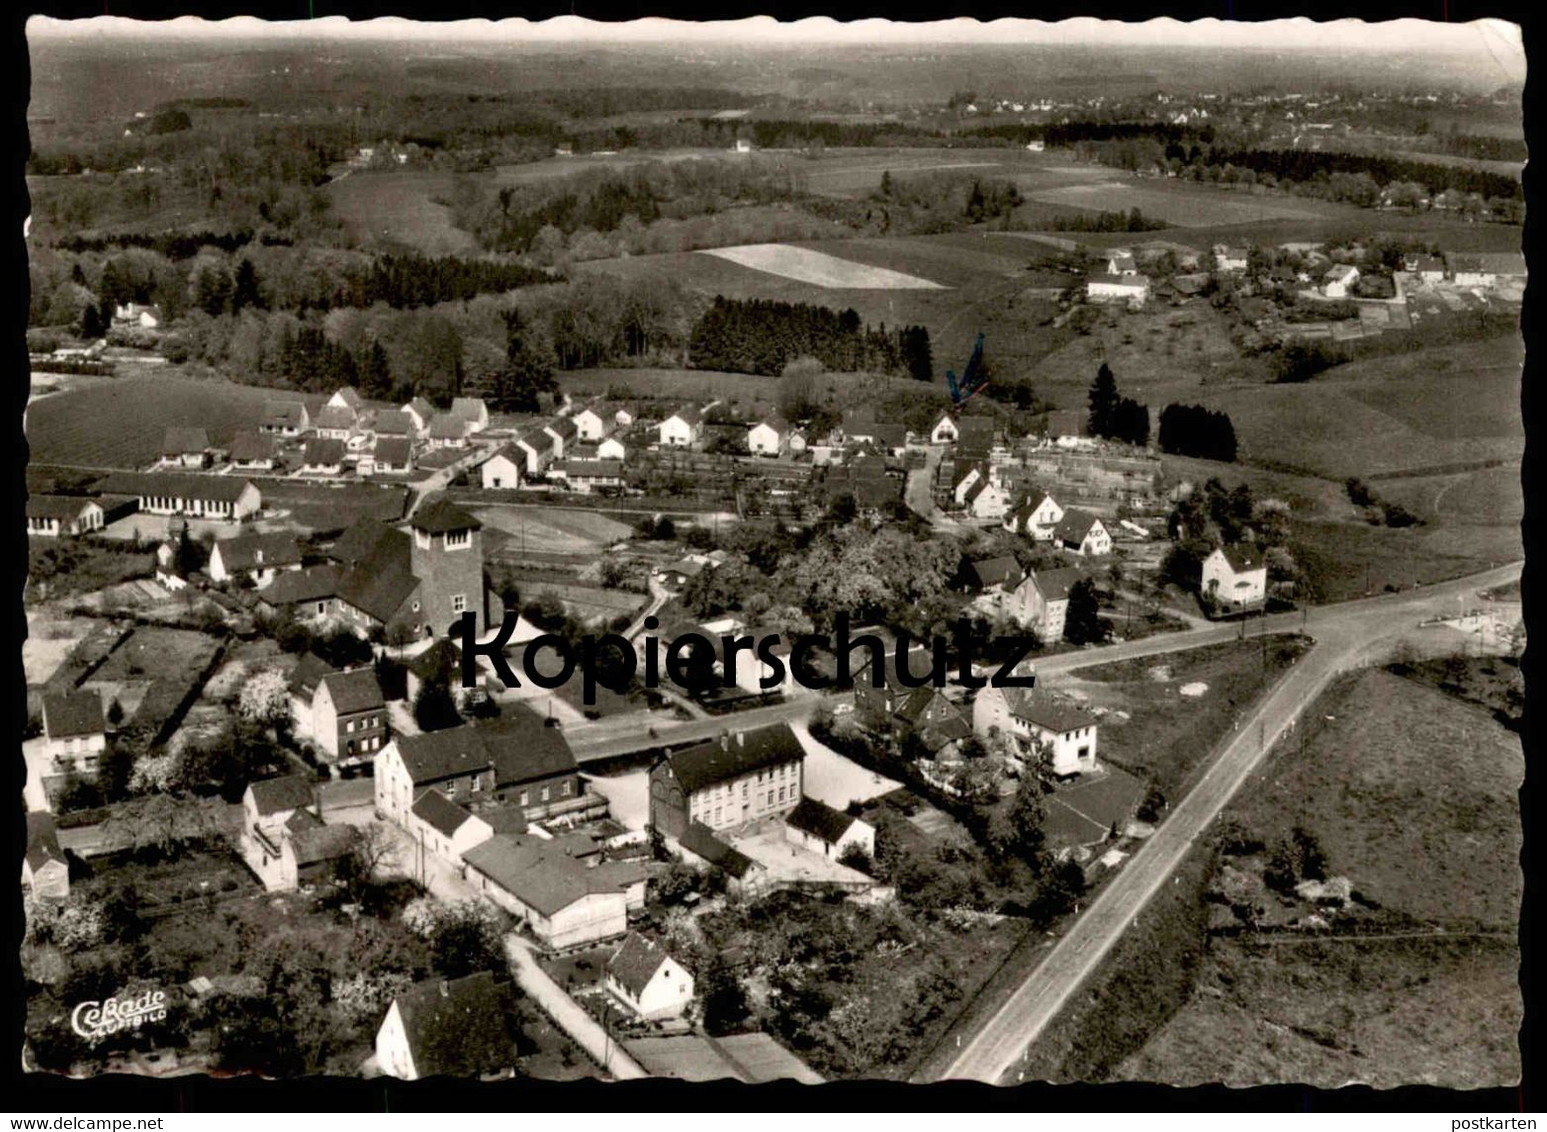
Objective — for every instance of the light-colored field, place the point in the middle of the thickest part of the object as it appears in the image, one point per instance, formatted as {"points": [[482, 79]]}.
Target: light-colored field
{"points": [[831, 778], [1183, 206], [806, 265], [399, 208], [552, 531], [49, 642]]}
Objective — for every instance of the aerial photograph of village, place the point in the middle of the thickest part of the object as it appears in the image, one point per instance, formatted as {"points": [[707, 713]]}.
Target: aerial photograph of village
{"points": [[1051, 494]]}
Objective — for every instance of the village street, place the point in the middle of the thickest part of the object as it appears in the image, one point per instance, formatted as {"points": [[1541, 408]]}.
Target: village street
{"points": [[1347, 636]]}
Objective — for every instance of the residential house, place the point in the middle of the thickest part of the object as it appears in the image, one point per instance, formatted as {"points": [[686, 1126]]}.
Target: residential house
{"points": [[966, 474], [976, 437], [1082, 533], [454, 1028], [1120, 261], [1037, 517], [169, 572], [349, 716], [859, 424], [1230, 258], [587, 476], [563, 902], [185, 448], [45, 871], [698, 846], [471, 411], [1486, 269], [1031, 718], [1131, 289], [769, 437], [334, 422], [420, 412], [444, 828], [682, 429], [1339, 280], [612, 448], [515, 760], [323, 457], [817, 826], [593, 421], [564, 435], [447, 431], [285, 418], [891, 439], [74, 732], [1000, 574], [227, 498], [986, 500], [309, 593], [142, 316], [393, 423], [284, 838], [252, 452], [270, 802], [728, 781], [925, 714], [393, 455], [1041, 601], [502, 471], [1235, 578], [1065, 424], [50, 516], [347, 397], [944, 430], [1429, 268], [647, 980], [257, 557]]}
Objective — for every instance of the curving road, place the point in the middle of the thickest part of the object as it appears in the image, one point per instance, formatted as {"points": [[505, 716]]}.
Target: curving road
{"points": [[1347, 636]]}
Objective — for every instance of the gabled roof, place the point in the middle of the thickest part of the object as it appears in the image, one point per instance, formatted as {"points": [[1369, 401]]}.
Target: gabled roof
{"points": [[181, 485], [67, 714], [393, 450], [64, 508], [247, 551], [441, 515], [307, 676], [775, 422], [1002, 570], [42, 841], [292, 587], [519, 747], [1037, 706], [976, 431], [323, 453], [395, 422], [890, 435], [440, 813], [1121, 261], [1499, 263], [334, 416], [383, 580], [733, 755], [421, 407], [635, 963], [820, 820], [700, 840], [564, 428], [1054, 585], [1075, 525], [469, 408], [459, 1027], [250, 447], [447, 427], [541, 875], [354, 691], [688, 414], [312, 841], [184, 441], [1131, 282], [1341, 271], [278, 795], [1242, 558], [290, 414], [359, 540], [350, 396]]}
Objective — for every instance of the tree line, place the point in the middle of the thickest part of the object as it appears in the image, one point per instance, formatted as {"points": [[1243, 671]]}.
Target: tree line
{"points": [[1192, 430], [762, 335], [1114, 416]]}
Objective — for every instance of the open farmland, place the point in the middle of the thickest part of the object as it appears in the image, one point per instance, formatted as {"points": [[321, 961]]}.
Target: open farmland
{"points": [[806, 265], [1425, 823], [399, 208], [121, 424], [1185, 204], [551, 530]]}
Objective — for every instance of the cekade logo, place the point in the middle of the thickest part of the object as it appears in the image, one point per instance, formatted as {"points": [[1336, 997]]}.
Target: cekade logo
{"points": [[96, 1020]]}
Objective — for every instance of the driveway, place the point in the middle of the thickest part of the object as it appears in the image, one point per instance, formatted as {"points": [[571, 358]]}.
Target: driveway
{"points": [[567, 1015]]}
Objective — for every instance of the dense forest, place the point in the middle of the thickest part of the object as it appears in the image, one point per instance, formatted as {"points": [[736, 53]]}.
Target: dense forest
{"points": [[1192, 430], [761, 336]]}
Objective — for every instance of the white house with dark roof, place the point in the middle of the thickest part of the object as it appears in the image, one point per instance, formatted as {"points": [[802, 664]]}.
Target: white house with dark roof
{"points": [[682, 429], [816, 826], [1105, 288], [45, 871], [445, 828], [1037, 516], [323, 457], [1339, 280], [185, 448], [1230, 258], [420, 412], [647, 980], [447, 431], [564, 434], [1029, 717], [74, 732], [334, 422], [393, 455], [564, 902], [347, 397], [1120, 261], [739, 777], [256, 557], [1083, 533], [472, 411], [536, 447], [1235, 577], [769, 437], [462, 1028], [944, 430], [503, 470], [50, 516], [227, 498], [252, 452], [285, 418], [1040, 602]]}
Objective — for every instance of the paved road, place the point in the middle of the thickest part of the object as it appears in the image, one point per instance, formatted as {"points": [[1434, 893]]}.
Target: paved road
{"points": [[1347, 636]]}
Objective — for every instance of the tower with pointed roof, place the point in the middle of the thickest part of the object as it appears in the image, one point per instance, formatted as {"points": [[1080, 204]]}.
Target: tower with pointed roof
{"points": [[446, 556]]}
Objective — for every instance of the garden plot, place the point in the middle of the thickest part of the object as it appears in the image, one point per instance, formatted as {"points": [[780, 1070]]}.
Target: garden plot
{"points": [[805, 265]]}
